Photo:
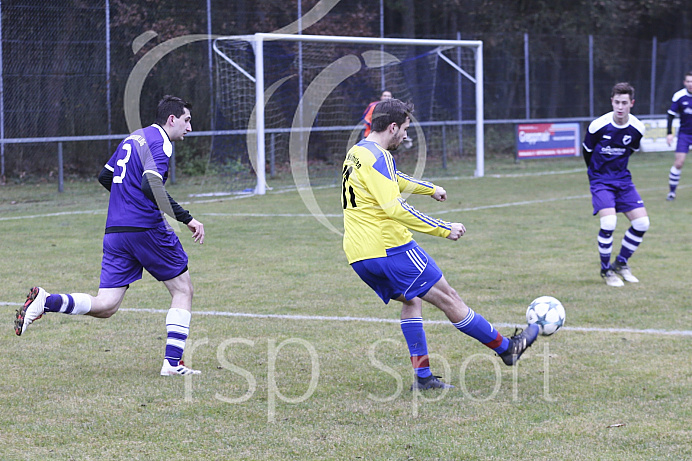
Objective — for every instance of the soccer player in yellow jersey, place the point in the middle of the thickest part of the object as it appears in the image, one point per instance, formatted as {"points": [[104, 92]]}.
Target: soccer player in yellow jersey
{"points": [[381, 249]]}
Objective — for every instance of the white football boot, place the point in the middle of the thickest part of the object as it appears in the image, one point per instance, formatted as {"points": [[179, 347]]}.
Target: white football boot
{"points": [[168, 370], [611, 279], [31, 311], [623, 270]]}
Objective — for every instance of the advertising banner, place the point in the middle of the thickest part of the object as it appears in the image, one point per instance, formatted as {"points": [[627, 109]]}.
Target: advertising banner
{"points": [[539, 140], [654, 139]]}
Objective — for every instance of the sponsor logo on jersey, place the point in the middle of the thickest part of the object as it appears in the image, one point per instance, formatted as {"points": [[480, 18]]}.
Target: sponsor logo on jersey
{"points": [[608, 150], [352, 158]]}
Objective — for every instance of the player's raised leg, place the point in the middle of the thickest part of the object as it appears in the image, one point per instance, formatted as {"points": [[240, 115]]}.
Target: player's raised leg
{"points": [[443, 296], [39, 302]]}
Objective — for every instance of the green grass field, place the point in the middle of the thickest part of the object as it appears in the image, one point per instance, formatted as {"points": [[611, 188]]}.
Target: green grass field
{"points": [[288, 380]]}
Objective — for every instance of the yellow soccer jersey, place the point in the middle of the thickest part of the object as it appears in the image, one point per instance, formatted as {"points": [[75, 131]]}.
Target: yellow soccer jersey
{"points": [[376, 217]]}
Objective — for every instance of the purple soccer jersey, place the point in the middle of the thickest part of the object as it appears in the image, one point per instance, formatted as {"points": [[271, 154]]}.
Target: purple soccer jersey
{"points": [[611, 146], [146, 150], [682, 105], [137, 236]]}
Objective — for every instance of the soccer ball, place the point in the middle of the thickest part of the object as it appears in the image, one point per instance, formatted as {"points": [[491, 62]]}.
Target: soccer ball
{"points": [[546, 312]]}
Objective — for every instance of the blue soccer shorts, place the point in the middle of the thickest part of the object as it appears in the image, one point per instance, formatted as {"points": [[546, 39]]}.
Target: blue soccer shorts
{"points": [[684, 142], [623, 197], [406, 270], [125, 254]]}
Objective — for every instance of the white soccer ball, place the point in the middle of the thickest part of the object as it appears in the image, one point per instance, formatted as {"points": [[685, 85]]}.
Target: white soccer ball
{"points": [[546, 312]]}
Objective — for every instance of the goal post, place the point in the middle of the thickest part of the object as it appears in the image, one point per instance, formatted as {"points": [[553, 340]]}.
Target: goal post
{"points": [[295, 101]]}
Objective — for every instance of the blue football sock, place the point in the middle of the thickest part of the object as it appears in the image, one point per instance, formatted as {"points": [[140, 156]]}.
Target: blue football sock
{"points": [[417, 345], [478, 328]]}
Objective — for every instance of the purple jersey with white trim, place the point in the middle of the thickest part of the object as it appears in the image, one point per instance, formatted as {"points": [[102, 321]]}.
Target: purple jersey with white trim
{"points": [[611, 146], [682, 106], [146, 150]]}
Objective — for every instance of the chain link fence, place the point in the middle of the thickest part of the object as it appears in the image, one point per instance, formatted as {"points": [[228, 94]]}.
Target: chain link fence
{"points": [[64, 67]]}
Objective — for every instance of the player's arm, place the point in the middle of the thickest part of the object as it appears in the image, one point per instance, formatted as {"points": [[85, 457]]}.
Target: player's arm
{"points": [[587, 155], [410, 185], [591, 139], [386, 193], [155, 165], [106, 177], [669, 128], [154, 190]]}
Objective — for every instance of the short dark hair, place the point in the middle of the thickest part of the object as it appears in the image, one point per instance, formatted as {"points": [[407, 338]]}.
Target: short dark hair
{"points": [[170, 105], [689, 74], [623, 88], [390, 111]]}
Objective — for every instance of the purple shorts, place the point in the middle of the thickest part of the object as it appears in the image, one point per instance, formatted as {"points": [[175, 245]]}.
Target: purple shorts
{"points": [[406, 270], [684, 142], [125, 254], [623, 197]]}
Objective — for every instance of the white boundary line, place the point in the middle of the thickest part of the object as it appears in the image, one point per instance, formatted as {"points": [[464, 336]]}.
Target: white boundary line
{"points": [[48, 215], [396, 321], [339, 215]]}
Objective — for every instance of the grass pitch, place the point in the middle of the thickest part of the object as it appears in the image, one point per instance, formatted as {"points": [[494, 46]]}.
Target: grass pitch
{"points": [[285, 376]]}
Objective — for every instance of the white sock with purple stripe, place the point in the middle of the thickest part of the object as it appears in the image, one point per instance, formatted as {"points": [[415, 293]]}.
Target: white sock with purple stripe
{"points": [[674, 178], [73, 304], [178, 328]]}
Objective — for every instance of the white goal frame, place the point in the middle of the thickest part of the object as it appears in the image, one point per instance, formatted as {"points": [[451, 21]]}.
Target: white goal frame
{"points": [[257, 41]]}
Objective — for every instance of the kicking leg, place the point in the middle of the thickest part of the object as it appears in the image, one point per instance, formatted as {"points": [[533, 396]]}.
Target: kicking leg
{"points": [[445, 298]]}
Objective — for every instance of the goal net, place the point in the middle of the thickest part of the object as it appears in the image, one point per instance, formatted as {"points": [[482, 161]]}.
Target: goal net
{"points": [[288, 107]]}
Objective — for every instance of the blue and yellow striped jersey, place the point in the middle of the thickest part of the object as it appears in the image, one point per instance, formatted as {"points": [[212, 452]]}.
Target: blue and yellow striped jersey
{"points": [[376, 216]]}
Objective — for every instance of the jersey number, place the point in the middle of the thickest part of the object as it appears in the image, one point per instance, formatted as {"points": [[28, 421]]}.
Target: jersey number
{"points": [[122, 163], [351, 194]]}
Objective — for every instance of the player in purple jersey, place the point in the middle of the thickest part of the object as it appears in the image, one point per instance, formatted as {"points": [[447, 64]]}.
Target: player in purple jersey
{"points": [[608, 144], [137, 236], [682, 106]]}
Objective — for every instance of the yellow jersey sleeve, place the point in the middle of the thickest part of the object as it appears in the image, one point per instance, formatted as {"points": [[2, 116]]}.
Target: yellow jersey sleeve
{"points": [[376, 217], [411, 185]]}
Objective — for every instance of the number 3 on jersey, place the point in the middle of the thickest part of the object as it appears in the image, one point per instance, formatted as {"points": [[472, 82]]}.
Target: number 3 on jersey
{"points": [[344, 185], [122, 163]]}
